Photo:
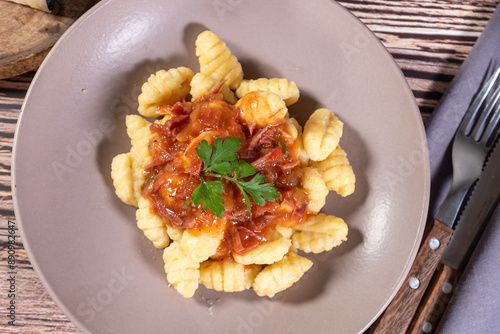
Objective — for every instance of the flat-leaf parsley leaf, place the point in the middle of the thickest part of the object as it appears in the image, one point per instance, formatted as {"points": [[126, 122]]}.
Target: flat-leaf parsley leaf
{"points": [[221, 161], [208, 193]]}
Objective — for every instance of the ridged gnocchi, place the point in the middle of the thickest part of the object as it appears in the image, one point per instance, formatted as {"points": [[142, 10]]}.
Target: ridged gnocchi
{"points": [[151, 224], [337, 172], [281, 275], [302, 154], [202, 84], [315, 188], [175, 233], [262, 108], [322, 133], [122, 175], [267, 253], [164, 87], [293, 127], [287, 90], [183, 272], [227, 275], [320, 233], [138, 131], [200, 246], [217, 61], [194, 255]]}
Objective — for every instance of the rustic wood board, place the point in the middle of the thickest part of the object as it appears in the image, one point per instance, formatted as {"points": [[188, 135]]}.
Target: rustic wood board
{"points": [[27, 34]]}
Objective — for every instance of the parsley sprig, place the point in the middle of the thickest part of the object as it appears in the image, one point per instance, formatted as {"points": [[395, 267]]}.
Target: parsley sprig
{"points": [[221, 161]]}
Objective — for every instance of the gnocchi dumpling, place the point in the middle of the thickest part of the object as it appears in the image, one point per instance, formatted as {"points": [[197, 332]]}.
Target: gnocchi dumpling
{"points": [[200, 246], [202, 84], [227, 275], [320, 233], [267, 253], [337, 172], [175, 233], [122, 175], [292, 128], [287, 90], [302, 154], [217, 61], [284, 231], [183, 272], [164, 87], [151, 224], [138, 131], [262, 108], [315, 188], [322, 133], [281, 275]]}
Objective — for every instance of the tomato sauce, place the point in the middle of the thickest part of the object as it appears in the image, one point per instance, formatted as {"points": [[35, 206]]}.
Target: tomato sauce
{"points": [[174, 173]]}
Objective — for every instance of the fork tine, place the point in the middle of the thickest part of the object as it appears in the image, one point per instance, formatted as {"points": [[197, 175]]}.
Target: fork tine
{"points": [[485, 117], [493, 129], [474, 108]]}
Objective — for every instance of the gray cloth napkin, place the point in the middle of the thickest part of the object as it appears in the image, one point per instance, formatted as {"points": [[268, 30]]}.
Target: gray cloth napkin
{"points": [[475, 305]]}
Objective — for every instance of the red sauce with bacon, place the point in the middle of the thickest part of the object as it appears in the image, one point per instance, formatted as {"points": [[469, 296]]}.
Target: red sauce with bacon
{"points": [[175, 172]]}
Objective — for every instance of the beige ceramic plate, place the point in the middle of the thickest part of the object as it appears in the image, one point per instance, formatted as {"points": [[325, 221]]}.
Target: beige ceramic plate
{"points": [[84, 242]]}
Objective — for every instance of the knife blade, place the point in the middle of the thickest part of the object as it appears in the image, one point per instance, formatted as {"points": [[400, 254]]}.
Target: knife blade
{"points": [[470, 226], [473, 220]]}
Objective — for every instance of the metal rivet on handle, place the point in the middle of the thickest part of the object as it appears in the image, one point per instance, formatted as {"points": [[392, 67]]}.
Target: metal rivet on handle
{"points": [[446, 288], [434, 243], [414, 283], [427, 327]]}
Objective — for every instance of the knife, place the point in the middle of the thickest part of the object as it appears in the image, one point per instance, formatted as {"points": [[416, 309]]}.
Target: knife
{"points": [[398, 316], [471, 224]]}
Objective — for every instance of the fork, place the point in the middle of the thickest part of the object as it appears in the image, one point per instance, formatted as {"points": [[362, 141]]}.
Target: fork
{"points": [[474, 138]]}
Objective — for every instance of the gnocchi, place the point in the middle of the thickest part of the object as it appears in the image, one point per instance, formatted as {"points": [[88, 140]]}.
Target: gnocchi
{"points": [[201, 84], [152, 225], [138, 131], [219, 255], [281, 275], [121, 173], [269, 252], [183, 272], [287, 90], [201, 246], [320, 233], [322, 133], [337, 172], [164, 88], [217, 61], [302, 154], [227, 275], [262, 107], [316, 189]]}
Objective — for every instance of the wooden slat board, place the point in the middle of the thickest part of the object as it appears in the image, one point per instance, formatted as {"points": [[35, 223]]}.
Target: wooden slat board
{"points": [[428, 39]]}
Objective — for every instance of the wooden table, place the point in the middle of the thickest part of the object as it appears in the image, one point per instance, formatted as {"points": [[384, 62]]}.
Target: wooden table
{"points": [[429, 40]]}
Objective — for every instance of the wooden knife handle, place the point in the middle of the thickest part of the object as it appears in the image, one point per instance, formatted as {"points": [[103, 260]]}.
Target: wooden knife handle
{"points": [[436, 299], [399, 314]]}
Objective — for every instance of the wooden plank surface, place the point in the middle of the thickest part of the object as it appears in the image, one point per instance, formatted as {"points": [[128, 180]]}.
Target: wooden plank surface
{"points": [[428, 39]]}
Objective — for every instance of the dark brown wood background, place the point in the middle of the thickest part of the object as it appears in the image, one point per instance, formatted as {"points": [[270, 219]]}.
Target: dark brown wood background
{"points": [[428, 39]]}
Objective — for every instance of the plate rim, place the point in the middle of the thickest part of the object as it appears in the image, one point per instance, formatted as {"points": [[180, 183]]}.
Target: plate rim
{"points": [[414, 112]]}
